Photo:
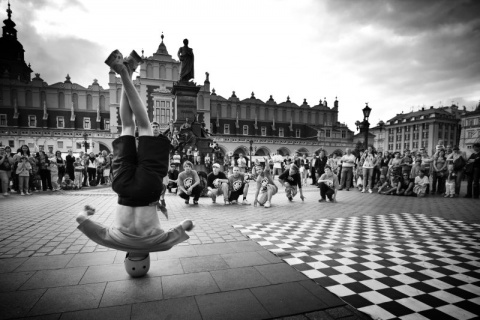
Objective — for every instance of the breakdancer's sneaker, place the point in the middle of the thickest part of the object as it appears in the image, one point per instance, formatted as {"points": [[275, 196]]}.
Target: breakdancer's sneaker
{"points": [[133, 61], [115, 61]]}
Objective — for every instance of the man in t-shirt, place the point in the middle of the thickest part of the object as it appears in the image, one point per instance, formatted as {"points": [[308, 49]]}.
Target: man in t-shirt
{"points": [[237, 186], [292, 182], [217, 184], [407, 162]]}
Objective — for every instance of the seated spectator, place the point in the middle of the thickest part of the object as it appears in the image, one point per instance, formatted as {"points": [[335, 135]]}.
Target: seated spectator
{"points": [[392, 187], [382, 183], [217, 184], [328, 184], [238, 185], [172, 175], [67, 183], [405, 185], [421, 184]]}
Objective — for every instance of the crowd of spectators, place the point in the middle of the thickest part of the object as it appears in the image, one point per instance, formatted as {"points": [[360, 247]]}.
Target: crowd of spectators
{"points": [[25, 172]]}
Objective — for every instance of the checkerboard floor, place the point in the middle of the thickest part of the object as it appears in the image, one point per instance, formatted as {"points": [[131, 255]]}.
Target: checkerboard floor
{"points": [[407, 266]]}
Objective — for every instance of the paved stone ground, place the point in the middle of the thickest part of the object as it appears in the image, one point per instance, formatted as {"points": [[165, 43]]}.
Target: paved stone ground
{"points": [[51, 270]]}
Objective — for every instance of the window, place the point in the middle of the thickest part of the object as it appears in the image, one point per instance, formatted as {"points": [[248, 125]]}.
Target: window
{"points": [[60, 122], [406, 145], [264, 131], [415, 145], [407, 136], [327, 133], [390, 131], [106, 124], [425, 134], [407, 129], [11, 143], [425, 126], [32, 121], [3, 119], [390, 146], [60, 144], [415, 127], [390, 139], [297, 133], [86, 123], [344, 134], [470, 134], [399, 130], [424, 144], [245, 130], [226, 129], [162, 112], [78, 145], [440, 126], [398, 146], [280, 132]]}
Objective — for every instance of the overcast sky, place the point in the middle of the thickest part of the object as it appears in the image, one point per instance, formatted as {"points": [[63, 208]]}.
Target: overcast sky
{"points": [[395, 55]]}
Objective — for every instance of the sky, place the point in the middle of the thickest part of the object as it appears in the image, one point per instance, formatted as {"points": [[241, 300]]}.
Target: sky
{"points": [[395, 55]]}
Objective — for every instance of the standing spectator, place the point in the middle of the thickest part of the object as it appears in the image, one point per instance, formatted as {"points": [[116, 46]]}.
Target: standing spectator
{"points": [[450, 182], [24, 150], [61, 167], [384, 163], [458, 160], [54, 173], [407, 162], [332, 163], [69, 161], [328, 183], [23, 171], [85, 158], [313, 170], [92, 169], [242, 163], [6, 163], [10, 155], [304, 169], [439, 172], [320, 164], [196, 153], [107, 166], [176, 159], [78, 173], [100, 167], [473, 172], [208, 163], [348, 163], [189, 183], [277, 165], [43, 163], [369, 162]]}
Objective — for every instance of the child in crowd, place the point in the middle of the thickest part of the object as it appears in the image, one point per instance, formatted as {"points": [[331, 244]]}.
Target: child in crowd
{"points": [[23, 171], [78, 168], [450, 182], [417, 167], [53, 167], [421, 184], [67, 183]]}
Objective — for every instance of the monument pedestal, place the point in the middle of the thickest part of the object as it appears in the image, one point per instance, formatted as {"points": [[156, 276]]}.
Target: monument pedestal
{"points": [[186, 101]]}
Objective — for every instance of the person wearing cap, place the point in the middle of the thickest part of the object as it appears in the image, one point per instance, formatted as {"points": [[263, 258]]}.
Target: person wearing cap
{"points": [[217, 184], [292, 181], [238, 186], [458, 160]]}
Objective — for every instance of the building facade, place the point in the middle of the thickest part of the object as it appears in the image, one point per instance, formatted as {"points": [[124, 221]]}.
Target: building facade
{"points": [[422, 129], [40, 115], [470, 130]]}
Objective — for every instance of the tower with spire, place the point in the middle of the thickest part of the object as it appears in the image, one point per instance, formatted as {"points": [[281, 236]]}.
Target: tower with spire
{"points": [[12, 61]]}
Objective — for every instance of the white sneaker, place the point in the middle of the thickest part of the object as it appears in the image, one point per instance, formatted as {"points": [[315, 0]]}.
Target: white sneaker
{"points": [[363, 190], [22, 194], [267, 204], [28, 194], [246, 203], [370, 191]]}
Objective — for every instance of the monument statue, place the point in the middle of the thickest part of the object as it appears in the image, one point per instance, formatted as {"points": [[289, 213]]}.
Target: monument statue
{"points": [[185, 55]]}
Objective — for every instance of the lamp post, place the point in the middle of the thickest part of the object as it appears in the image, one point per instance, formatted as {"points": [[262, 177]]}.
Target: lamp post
{"points": [[85, 143], [251, 151], [366, 124]]}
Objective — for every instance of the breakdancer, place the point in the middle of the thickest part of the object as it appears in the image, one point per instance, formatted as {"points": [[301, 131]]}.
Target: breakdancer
{"points": [[137, 179]]}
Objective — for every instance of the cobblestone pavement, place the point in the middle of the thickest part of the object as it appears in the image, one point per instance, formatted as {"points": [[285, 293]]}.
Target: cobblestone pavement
{"points": [[39, 245]]}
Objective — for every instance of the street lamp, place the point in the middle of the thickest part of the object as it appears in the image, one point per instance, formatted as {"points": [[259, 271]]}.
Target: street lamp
{"points": [[85, 143], [364, 125], [251, 151]]}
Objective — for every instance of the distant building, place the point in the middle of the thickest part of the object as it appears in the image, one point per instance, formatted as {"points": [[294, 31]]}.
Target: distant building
{"points": [[37, 114], [470, 129], [423, 129]]}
